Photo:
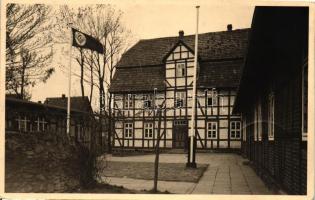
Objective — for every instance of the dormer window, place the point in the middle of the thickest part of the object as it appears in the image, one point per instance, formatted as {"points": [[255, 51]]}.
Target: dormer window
{"points": [[180, 70], [212, 98]]}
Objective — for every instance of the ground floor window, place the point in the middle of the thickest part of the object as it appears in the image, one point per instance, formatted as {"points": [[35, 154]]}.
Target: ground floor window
{"points": [[148, 130], [271, 114], [304, 99], [258, 121], [235, 129], [22, 123], [128, 130], [40, 124], [244, 129], [212, 128]]}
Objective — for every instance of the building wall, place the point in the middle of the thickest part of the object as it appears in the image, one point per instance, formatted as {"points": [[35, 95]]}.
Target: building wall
{"points": [[138, 115], [282, 160]]}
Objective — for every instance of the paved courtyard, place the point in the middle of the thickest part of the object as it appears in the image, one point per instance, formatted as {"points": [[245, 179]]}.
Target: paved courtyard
{"points": [[226, 174]]}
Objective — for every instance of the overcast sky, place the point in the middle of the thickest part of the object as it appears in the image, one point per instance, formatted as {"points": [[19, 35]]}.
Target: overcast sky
{"points": [[152, 19]]}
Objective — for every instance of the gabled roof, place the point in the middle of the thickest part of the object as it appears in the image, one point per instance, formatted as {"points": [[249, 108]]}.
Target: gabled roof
{"points": [[142, 67], [76, 103], [213, 45]]}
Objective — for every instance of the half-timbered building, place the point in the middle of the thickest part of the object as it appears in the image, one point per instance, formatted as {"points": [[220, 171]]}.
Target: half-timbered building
{"points": [[159, 72], [273, 97]]}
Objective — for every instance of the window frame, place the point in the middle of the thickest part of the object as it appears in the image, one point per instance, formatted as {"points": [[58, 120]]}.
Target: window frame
{"points": [[180, 70], [212, 130], [128, 102], [213, 95], [235, 129], [182, 98], [304, 127], [147, 98], [271, 116], [244, 130], [128, 130], [147, 129]]}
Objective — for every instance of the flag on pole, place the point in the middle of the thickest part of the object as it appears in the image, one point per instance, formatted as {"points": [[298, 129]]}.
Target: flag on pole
{"points": [[86, 41]]}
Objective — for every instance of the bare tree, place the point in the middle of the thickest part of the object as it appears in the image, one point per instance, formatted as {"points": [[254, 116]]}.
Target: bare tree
{"points": [[28, 47]]}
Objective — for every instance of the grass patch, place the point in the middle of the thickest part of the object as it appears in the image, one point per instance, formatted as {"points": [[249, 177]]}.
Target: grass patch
{"points": [[145, 170]]}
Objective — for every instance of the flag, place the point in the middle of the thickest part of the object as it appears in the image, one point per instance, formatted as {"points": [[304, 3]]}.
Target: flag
{"points": [[86, 41]]}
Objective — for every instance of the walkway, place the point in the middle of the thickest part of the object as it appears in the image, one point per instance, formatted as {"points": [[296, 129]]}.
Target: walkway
{"points": [[226, 174]]}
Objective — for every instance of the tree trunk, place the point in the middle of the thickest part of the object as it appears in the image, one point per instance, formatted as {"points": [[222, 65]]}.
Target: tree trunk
{"points": [[157, 152], [22, 82]]}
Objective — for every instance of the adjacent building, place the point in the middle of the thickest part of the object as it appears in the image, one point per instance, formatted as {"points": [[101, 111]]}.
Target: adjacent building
{"points": [[159, 72], [29, 117], [272, 97]]}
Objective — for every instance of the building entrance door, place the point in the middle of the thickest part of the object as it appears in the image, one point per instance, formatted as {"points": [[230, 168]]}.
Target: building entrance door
{"points": [[180, 134]]}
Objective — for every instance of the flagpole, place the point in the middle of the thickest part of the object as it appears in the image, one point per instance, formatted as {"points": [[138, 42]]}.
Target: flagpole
{"points": [[191, 160], [69, 84]]}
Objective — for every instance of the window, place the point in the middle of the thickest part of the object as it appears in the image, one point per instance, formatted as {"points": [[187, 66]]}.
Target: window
{"points": [[244, 129], [212, 130], [128, 101], [271, 114], [128, 130], [40, 124], [235, 130], [212, 98], [148, 130], [180, 70], [22, 123], [257, 122], [304, 100], [147, 101], [180, 100]]}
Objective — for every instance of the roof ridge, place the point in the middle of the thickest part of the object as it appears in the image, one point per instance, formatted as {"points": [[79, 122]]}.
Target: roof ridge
{"points": [[214, 32]]}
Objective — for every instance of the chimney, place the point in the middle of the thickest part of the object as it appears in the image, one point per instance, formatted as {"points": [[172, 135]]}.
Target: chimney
{"points": [[229, 27], [63, 96], [181, 35]]}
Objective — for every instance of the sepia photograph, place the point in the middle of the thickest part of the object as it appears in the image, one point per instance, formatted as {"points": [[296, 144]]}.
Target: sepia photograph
{"points": [[159, 98]]}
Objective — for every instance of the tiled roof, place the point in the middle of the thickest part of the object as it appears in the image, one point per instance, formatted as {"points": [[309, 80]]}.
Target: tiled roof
{"points": [[219, 73], [138, 79], [221, 54], [213, 45], [77, 103]]}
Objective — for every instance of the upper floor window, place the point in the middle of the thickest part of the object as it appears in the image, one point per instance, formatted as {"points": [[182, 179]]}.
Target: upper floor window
{"points": [[212, 128], [148, 130], [180, 70], [235, 131], [271, 116], [128, 130], [180, 100], [128, 101], [147, 101], [212, 98]]}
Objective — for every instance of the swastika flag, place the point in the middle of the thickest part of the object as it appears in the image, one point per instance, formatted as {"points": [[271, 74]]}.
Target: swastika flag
{"points": [[86, 41]]}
